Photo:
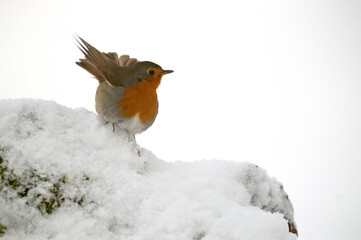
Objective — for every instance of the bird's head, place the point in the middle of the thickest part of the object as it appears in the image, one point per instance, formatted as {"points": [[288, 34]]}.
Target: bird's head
{"points": [[148, 71]]}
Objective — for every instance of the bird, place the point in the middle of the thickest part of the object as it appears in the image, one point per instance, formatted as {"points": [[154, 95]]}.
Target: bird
{"points": [[126, 95]]}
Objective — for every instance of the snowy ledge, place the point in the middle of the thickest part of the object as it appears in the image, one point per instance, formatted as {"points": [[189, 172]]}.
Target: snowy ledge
{"points": [[65, 175]]}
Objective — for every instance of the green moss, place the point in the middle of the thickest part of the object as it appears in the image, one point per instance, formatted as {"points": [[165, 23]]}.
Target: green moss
{"points": [[31, 179], [2, 229], [65, 179], [2, 170], [14, 183], [48, 205], [23, 193], [43, 178]]}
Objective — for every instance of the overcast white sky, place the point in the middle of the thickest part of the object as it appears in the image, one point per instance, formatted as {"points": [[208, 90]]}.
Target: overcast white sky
{"points": [[276, 83]]}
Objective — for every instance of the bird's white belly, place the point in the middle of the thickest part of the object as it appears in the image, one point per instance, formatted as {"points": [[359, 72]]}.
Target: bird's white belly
{"points": [[132, 125]]}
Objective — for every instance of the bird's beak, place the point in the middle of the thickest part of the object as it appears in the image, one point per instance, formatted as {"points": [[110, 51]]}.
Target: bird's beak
{"points": [[166, 72]]}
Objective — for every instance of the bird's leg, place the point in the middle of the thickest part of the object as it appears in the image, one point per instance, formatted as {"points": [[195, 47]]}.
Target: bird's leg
{"points": [[135, 141], [139, 154], [113, 124]]}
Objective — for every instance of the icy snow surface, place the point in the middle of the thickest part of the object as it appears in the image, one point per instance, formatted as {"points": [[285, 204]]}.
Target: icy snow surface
{"points": [[104, 190]]}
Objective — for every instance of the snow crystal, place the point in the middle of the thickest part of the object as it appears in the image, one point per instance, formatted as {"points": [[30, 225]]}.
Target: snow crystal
{"points": [[66, 175]]}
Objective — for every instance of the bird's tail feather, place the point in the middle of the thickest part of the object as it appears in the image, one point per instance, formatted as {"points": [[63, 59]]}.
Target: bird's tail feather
{"points": [[95, 61], [88, 66], [98, 63]]}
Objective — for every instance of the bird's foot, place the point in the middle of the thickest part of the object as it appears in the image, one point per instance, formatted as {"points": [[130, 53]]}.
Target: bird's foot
{"points": [[139, 152], [136, 145]]}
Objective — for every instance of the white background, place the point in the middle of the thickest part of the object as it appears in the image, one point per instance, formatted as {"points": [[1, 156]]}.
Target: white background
{"points": [[275, 83]]}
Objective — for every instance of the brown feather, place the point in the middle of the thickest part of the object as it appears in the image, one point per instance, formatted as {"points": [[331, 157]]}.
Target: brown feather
{"points": [[126, 61], [86, 65], [113, 56], [103, 66]]}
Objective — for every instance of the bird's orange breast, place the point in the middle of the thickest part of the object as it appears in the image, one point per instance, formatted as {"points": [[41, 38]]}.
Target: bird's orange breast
{"points": [[139, 99]]}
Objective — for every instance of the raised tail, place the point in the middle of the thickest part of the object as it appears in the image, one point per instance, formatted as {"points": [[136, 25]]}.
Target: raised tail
{"points": [[99, 64], [103, 66], [88, 66]]}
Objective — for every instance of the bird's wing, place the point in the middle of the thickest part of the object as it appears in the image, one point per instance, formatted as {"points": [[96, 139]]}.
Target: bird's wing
{"points": [[126, 61], [103, 66], [113, 56]]}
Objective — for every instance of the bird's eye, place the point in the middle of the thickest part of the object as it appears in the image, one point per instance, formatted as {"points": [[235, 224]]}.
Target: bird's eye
{"points": [[150, 72]]}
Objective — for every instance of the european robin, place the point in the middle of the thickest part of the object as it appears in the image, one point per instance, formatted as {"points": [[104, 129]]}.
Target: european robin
{"points": [[126, 95]]}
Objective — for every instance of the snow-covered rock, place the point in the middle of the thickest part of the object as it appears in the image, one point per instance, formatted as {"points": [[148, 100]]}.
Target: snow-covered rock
{"points": [[65, 175]]}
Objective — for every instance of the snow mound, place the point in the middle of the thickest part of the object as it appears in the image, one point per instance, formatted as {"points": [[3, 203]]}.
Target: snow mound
{"points": [[65, 175]]}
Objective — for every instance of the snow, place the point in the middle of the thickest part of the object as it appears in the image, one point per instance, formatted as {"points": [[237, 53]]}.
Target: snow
{"points": [[69, 176]]}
